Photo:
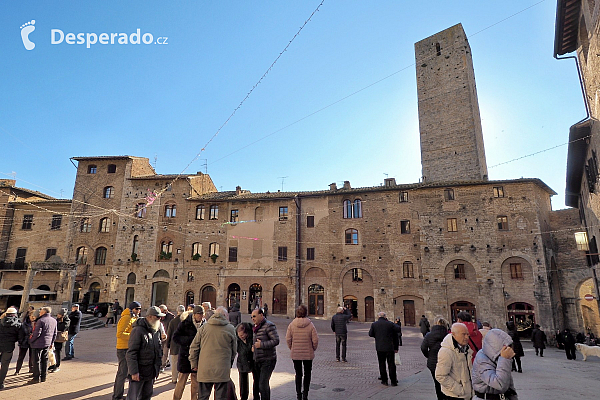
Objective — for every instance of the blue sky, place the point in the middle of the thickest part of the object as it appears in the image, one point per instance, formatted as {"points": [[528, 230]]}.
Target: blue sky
{"points": [[59, 101]]}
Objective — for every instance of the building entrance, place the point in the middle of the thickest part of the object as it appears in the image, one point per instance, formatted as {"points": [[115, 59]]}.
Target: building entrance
{"points": [[316, 300]]}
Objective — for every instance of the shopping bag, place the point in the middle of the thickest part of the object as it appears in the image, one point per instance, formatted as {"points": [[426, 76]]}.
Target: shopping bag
{"points": [[397, 359]]}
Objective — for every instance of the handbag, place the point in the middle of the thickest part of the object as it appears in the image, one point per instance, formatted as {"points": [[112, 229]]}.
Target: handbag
{"points": [[62, 337], [397, 359]]}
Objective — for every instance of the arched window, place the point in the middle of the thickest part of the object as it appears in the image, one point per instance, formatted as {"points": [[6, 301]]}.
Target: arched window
{"points": [[213, 248], [161, 273], [347, 209], [199, 212], [81, 255], [134, 249], [351, 236], [407, 270], [100, 258], [352, 209], [85, 226], [166, 249], [214, 212], [357, 275], [131, 279], [189, 298], [140, 210], [105, 225], [109, 192], [170, 211], [196, 250]]}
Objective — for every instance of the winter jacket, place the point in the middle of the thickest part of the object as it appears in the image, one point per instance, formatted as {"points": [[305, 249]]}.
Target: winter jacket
{"points": [[24, 332], [145, 351], [514, 335], [484, 332], [166, 320], [269, 339], [491, 373], [171, 344], [183, 336], [424, 325], [339, 322], [399, 325], [213, 350], [538, 337], [63, 326], [124, 328], [43, 333], [235, 316], [453, 369], [431, 345], [245, 362], [9, 333], [302, 339], [386, 335], [75, 326]]}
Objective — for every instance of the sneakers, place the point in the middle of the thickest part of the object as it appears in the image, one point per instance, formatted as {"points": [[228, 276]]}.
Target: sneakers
{"points": [[33, 381], [337, 360], [54, 370], [344, 360]]}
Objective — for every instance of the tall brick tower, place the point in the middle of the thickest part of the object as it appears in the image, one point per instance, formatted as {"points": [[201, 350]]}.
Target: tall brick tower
{"points": [[451, 136]]}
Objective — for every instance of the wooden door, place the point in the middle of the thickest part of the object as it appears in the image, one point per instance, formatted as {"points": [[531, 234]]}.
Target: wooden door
{"points": [[409, 312], [279, 299], [369, 309]]}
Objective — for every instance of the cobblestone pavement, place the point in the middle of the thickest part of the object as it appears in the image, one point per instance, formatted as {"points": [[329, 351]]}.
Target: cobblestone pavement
{"points": [[91, 374]]}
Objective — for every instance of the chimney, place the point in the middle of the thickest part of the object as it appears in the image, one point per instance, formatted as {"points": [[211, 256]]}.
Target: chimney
{"points": [[238, 190], [347, 185], [333, 186], [389, 182]]}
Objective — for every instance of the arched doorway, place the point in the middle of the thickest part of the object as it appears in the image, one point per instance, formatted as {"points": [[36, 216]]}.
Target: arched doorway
{"points": [[15, 300], [129, 295], [316, 300], [351, 303], [94, 292], [254, 297], [131, 278], [409, 312], [160, 293], [369, 309], [523, 315], [459, 306], [189, 298], [233, 295], [76, 293], [279, 299], [209, 293], [161, 273]]}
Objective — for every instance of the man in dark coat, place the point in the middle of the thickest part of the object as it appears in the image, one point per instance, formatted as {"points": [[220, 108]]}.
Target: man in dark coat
{"points": [[235, 316], [41, 339], [569, 342], [265, 340], [62, 325], [511, 329], [144, 355], [538, 337], [74, 327], [431, 346], [424, 325], [172, 345], [386, 343], [339, 325], [9, 334], [183, 336], [166, 320]]}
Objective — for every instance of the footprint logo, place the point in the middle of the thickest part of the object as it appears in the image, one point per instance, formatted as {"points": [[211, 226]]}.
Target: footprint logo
{"points": [[26, 29]]}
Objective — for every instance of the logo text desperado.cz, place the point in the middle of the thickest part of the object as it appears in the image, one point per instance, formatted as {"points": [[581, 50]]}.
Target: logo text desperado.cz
{"points": [[57, 36]]}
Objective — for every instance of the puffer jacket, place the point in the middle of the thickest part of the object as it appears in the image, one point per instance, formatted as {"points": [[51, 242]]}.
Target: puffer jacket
{"points": [[145, 351], [214, 349], [9, 333], [245, 362], [24, 333], [302, 339], [339, 322], [269, 339], [124, 328], [183, 336], [431, 345], [43, 333], [491, 373], [453, 370]]}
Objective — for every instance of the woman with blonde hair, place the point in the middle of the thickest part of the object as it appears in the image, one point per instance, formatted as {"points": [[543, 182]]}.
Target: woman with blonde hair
{"points": [[302, 339]]}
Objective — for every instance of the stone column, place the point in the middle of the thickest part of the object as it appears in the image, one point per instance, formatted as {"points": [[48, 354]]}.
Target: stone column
{"points": [[27, 287]]}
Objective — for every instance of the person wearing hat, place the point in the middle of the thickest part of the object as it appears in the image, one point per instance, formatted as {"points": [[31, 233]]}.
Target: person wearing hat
{"points": [[124, 327], [9, 334], [144, 355], [62, 325], [183, 336], [75, 316]]}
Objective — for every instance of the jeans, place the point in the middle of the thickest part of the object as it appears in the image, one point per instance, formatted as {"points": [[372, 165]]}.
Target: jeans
{"points": [[382, 357], [40, 363], [22, 353], [262, 374], [307, 375], [69, 349], [119, 387], [5, 358], [181, 381], [206, 388], [244, 385], [140, 390], [340, 339]]}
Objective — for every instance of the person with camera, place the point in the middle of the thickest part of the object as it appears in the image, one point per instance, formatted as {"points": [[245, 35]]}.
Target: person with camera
{"points": [[491, 374]]}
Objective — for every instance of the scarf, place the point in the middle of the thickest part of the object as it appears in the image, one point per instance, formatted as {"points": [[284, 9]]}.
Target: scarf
{"points": [[255, 328]]}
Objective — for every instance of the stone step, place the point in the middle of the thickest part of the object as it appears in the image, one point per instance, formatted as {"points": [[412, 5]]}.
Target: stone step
{"points": [[91, 322]]}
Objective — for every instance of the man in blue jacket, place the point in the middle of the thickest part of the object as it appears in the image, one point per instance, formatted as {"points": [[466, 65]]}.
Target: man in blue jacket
{"points": [[41, 339]]}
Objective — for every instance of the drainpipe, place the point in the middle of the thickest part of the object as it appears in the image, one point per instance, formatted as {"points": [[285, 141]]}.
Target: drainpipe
{"points": [[298, 250], [583, 92]]}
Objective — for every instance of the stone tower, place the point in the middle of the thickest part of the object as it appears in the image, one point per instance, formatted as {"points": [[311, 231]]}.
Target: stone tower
{"points": [[449, 123]]}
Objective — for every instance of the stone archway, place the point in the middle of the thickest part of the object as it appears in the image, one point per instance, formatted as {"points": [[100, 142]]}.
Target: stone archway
{"points": [[588, 308], [357, 285], [279, 299]]}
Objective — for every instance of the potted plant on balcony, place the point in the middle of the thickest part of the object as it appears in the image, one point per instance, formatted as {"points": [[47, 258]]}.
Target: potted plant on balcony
{"points": [[196, 257], [214, 257], [165, 256]]}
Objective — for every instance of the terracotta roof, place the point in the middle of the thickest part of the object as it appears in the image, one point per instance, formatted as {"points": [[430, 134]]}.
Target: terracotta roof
{"points": [[103, 158]]}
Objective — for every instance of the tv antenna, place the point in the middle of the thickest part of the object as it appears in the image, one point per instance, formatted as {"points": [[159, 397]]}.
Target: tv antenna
{"points": [[205, 165], [282, 180], [155, 160]]}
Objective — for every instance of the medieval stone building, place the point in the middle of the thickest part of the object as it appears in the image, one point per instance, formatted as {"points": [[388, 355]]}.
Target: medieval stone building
{"points": [[453, 241]]}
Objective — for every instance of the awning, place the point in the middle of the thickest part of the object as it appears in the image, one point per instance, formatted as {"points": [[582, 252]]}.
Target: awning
{"points": [[39, 292], [32, 292]]}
